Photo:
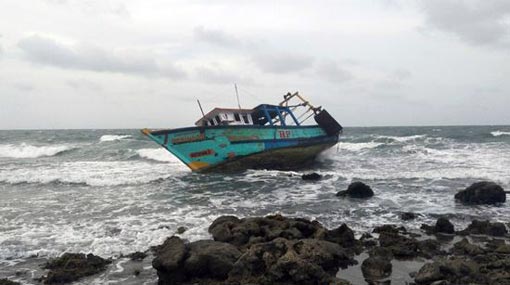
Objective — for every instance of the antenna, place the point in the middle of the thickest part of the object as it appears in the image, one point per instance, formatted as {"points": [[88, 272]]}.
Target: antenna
{"points": [[200, 106], [237, 96]]}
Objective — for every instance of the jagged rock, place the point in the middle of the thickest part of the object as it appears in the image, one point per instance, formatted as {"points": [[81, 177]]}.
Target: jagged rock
{"points": [[482, 193], [443, 225], [376, 268], [485, 228], [406, 216], [401, 246], [307, 261], [72, 266], [357, 190], [389, 229], [181, 230], [311, 176], [177, 262], [342, 235], [464, 247], [244, 232], [428, 273], [429, 248], [137, 256]]}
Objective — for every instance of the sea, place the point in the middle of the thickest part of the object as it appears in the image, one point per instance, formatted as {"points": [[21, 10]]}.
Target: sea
{"points": [[114, 192]]}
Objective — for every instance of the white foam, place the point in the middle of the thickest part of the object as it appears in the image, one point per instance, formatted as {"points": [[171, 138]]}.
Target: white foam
{"points": [[93, 173], [111, 138], [500, 133], [358, 146], [30, 151], [157, 154], [402, 139]]}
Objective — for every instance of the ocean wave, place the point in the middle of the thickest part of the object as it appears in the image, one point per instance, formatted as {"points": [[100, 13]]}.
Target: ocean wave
{"points": [[93, 173], [156, 154], [358, 146], [30, 151], [500, 133], [402, 139], [111, 138]]}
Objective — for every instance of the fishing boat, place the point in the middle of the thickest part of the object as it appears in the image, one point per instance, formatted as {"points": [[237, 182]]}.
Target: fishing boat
{"points": [[265, 137]]}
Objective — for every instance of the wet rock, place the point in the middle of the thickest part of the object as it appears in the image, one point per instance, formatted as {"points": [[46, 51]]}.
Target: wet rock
{"points": [[342, 235], [73, 266], [8, 282], [429, 248], [407, 216], [177, 262], [311, 176], [137, 256], [485, 228], [443, 225], [401, 246], [357, 190], [282, 261], [482, 193], [428, 273], [181, 230], [244, 232], [376, 268], [464, 247], [389, 229]]}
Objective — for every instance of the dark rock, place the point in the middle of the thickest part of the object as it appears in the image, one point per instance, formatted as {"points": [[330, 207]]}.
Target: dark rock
{"points": [[406, 216], [357, 190], [169, 258], [211, 259], [376, 268], [429, 273], [342, 235], [181, 230], [429, 248], [482, 193], [282, 261], [463, 247], [311, 176], [137, 256], [485, 228], [443, 225], [244, 232], [401, 246], [73, 266], [389, 229], [8, 282], [177, 262]]}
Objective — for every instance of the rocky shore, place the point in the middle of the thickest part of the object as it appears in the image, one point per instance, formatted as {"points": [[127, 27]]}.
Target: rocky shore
{"points": [[286, 250]]}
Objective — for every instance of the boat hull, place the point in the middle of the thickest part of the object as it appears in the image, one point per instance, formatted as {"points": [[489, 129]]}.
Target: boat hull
{"points": [[235, 148]]}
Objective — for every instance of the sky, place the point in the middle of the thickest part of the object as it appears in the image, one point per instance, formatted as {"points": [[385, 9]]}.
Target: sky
{"points": [[133, 63]]}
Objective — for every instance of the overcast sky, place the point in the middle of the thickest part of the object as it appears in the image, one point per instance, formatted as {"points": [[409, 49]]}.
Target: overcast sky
{"points": [[134, 63]]}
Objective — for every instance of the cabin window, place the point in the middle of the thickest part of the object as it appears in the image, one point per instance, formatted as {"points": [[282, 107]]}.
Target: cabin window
{"points": [[237, 117], [245, 119], [211, 122], [218, 119]]}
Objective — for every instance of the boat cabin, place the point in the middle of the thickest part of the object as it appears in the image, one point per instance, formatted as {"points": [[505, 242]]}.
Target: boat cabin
{"points": [[261, 115]]}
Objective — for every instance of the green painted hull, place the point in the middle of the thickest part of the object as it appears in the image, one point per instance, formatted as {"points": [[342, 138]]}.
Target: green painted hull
{"points": [[234, 148]]}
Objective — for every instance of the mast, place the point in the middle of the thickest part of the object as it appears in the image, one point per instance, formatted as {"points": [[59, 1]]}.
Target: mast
{"points": [[237, 96]]}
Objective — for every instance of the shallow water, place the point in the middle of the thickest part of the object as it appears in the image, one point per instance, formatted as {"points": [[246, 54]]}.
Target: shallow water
{"points": [[113, 192]]}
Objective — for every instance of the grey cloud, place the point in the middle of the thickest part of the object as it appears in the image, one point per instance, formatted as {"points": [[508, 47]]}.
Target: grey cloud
{"points": [[47, 51], [332, 72], [216, 37], [401, 74], [84, 84], [282, 62], [479, 22], [219, 76]]}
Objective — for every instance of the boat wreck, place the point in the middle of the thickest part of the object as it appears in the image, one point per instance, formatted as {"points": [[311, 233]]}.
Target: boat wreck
{"points": [[265, 137]]}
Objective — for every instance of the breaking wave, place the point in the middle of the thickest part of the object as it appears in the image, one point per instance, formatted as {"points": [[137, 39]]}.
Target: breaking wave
{"points": [[402, 139], [30, 151], [156, 154], [111, 138], [500, 133], [358, 146]]}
